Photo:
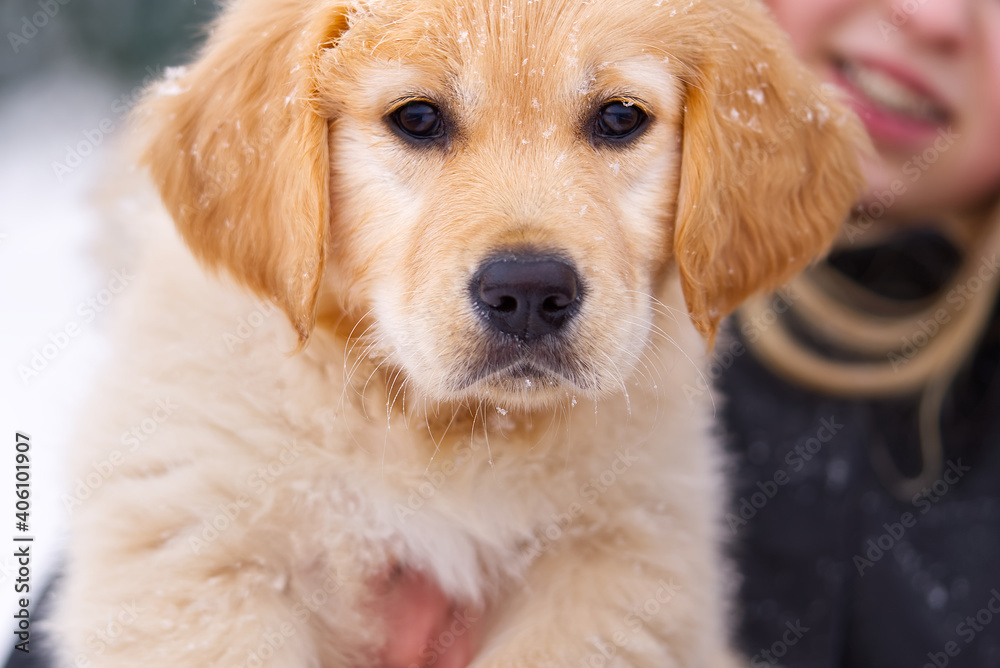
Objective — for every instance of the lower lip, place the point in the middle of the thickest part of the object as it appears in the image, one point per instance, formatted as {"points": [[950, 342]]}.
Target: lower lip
{"points": [[527, 372], [884, 126]]}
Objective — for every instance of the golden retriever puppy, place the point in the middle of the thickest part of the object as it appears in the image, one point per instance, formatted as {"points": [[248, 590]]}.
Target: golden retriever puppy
{"points": [[444, 270]]}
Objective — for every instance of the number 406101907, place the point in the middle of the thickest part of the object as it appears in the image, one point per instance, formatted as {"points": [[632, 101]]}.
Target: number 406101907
{"points": [[22, 476]]}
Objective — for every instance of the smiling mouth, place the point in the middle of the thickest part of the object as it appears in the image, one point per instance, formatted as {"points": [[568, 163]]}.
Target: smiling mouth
{"points": [[891, 95]]}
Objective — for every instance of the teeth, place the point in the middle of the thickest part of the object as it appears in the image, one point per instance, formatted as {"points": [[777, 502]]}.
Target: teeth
{"points": [[891, 94]]}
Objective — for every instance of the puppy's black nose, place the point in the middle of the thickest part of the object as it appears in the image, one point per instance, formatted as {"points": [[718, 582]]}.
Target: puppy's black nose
{"points": [[527, 296]]}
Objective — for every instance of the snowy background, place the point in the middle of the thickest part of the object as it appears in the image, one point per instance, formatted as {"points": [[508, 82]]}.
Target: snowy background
{"points": [[68, 76]]}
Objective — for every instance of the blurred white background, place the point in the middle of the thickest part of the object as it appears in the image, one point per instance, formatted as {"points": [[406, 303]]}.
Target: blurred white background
{"points": [[68, 71]]}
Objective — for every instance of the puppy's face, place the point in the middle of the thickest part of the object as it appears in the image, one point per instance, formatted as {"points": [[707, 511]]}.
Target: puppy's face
{"points": [[503, 193], [500, 191]]}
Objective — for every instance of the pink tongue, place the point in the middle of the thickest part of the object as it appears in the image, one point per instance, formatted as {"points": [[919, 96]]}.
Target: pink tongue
{"points": [[422, 626]]}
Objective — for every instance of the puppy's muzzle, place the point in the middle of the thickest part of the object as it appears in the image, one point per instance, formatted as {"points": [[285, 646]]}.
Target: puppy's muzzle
{"points": [[526, 296]]}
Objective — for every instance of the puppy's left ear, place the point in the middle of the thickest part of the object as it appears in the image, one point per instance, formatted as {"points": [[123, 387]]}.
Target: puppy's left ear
{"points": [[238, 149], [769, 168]]}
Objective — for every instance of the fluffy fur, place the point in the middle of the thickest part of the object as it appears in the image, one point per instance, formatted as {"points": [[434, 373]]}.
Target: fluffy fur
{"points": [[297, 464]]}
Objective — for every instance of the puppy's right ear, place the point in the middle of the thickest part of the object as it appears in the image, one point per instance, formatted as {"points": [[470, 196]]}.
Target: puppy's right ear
{"points": [[238, 149]]}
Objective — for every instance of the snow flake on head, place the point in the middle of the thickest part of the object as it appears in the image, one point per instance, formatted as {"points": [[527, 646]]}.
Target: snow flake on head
{"points": [[170, 85]]}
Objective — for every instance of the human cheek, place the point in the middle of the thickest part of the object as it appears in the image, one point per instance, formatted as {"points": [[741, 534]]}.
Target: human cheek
{"points": [[975, 173], [811, 24]]}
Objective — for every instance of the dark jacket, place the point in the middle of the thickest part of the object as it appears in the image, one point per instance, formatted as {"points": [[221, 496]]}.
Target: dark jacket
{"points": [[836, 571]]}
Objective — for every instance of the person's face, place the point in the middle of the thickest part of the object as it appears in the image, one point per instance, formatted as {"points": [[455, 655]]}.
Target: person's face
{"points": [[924, 76]]}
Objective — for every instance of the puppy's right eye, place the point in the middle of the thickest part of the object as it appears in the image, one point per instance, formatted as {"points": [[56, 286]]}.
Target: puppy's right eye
{"points": [[419, 119]]}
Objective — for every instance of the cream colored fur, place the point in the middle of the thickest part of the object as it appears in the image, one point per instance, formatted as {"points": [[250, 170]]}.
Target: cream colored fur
{"points": [[325, 427]]}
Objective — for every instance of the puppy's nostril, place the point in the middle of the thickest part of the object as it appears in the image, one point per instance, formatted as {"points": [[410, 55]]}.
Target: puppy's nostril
{"points": [[506, 305], [527, 296], [555, 303]]}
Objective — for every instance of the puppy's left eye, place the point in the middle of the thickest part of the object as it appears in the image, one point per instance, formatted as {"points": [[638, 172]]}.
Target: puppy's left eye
{"points": [[419, 119], [618, 120]]}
